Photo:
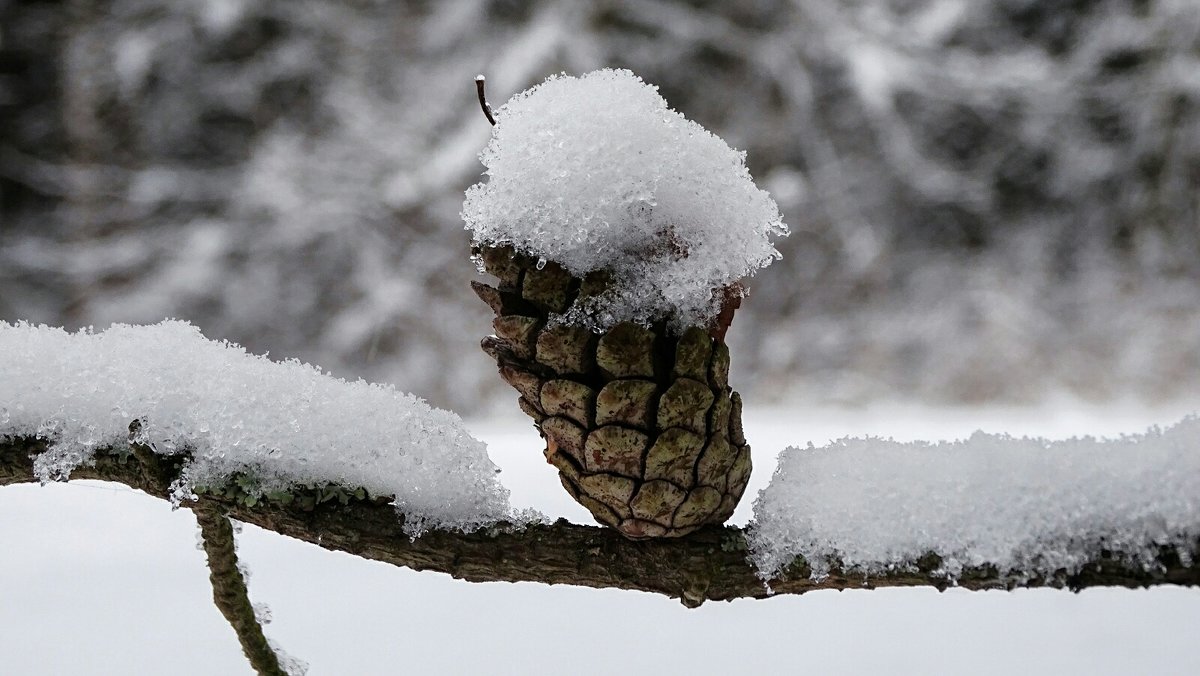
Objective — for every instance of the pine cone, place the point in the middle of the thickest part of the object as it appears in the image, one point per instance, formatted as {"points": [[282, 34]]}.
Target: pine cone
{"points": [[641, 424]]}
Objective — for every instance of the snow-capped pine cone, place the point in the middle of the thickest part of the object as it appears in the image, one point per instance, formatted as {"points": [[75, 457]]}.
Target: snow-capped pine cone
{"points": [[642, 425]]}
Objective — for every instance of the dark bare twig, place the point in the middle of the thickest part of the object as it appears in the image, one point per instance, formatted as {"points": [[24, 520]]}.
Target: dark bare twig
{"points": [[229, 588], [487, 108]]}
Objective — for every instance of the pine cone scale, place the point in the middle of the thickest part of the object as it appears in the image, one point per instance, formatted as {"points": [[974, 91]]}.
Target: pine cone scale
{"points": [[568, 398], [627, 402]]}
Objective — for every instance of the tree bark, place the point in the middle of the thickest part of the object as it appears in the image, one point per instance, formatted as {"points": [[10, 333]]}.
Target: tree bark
{"points": [[708, 565], [229, 589]]}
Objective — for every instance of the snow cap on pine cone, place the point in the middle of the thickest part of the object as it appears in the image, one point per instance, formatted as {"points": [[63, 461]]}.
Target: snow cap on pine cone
{"points": [[598, 173]]}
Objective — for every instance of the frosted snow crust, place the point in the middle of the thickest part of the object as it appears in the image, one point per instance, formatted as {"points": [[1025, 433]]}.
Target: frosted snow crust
{"points": [[1026, 505], [282, 422], [597, 173]]}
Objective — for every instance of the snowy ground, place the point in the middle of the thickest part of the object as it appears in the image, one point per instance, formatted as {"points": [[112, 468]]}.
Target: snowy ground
{"points": [[102, 580]]}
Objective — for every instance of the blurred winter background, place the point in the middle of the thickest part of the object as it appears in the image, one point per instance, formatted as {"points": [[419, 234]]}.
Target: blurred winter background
{"points": [[990, 202]]}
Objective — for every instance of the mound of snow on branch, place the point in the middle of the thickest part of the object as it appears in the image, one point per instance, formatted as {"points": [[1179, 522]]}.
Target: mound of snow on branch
{"points": [[1027, 506], [284, 423], [597, 173]]}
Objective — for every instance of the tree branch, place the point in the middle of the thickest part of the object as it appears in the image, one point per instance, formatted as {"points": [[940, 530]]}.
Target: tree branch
{"points": [[707, 565], [229, 589]]}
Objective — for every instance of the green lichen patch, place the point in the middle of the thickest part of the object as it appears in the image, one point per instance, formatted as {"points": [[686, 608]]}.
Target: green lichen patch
{"points": [[734, 541], [246, 489]]}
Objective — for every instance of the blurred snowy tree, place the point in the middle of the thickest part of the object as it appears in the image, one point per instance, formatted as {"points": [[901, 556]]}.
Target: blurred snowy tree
{"points": [[989, 200]]}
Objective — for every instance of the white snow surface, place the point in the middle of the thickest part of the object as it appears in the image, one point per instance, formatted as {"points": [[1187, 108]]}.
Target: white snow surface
{"points": [[597, 173], [1024, 505], [282, 422]]}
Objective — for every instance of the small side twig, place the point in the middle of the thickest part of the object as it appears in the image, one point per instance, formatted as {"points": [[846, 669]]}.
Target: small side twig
{"points": [[487, 108], [229, 589]]}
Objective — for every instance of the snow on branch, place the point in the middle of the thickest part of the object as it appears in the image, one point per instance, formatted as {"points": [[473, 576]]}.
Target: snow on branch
{"points": [[990, 512], [273, 424], [1031, 506]]}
